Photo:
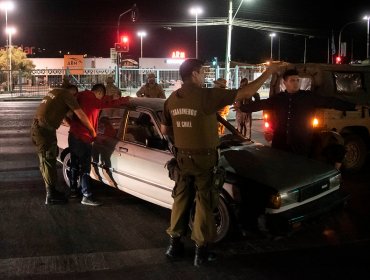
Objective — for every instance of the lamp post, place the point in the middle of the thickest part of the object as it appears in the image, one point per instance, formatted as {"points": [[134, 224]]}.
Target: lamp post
{"points": [[367, 40], [228, 41], [10, 31], [340, 36], [141, 34], [196, 11], [272, 35], [7, 6]]}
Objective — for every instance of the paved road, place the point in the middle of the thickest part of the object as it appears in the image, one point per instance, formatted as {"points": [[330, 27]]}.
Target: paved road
{"points": [[125, 238]]}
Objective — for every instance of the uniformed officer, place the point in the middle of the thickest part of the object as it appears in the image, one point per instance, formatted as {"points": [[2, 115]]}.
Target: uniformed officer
{"points": [[151, 88], [111, 89], [48, 117], [190, 118]]}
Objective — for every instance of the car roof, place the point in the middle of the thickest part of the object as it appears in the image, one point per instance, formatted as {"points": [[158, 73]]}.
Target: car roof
{"points": [[155, 104]]}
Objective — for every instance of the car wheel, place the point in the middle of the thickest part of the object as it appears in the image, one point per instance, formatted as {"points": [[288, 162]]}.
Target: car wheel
{"points": [[356, 152], [67, 169], [222, 219]]}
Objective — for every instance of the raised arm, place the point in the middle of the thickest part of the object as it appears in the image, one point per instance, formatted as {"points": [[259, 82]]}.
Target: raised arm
{"points": [[250, 89]]}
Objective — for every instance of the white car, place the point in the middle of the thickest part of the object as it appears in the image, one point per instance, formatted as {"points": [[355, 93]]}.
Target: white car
{"points": [[261, 183]]}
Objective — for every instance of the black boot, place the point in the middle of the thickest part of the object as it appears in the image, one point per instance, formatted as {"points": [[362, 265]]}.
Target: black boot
{"points": [[73, 181], [202, 255], [175, 249], [55, 197]]}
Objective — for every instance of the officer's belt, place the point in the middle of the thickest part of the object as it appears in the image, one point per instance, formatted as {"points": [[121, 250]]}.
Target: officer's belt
{"points": [[196, 151], [42, 124]]}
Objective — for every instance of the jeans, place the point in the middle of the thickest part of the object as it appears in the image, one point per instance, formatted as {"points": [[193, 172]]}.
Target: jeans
{"points": [[80, 163]]}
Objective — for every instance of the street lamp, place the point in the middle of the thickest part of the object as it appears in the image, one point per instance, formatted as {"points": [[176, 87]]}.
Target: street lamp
{"points": [[367, 41], [340, 36], [7, 6], [141, 34], [196, 11], [10, 31], [272, 35], [228, 41]]}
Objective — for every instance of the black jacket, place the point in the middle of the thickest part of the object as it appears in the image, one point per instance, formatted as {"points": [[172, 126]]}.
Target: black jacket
{"points": [[293, 115]]}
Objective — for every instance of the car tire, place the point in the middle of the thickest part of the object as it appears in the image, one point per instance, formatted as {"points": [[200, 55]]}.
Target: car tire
{"points": [[66, 169], [222, 217], [356, 152]]}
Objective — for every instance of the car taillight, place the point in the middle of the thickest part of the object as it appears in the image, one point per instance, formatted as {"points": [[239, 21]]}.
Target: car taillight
{"points": [[315, 122], [266, 120]]}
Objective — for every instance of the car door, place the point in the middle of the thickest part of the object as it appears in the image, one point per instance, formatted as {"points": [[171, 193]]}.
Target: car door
{"points": [[139, 157]]}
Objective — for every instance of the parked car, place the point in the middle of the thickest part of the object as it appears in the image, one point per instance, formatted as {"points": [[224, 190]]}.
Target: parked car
{"points": [[275, 187], [348, 82]]}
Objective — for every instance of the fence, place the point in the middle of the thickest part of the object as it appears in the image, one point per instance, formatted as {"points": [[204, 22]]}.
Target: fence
{"points": [[130, 79]]}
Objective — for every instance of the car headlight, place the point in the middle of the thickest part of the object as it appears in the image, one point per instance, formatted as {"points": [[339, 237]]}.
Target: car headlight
{"points": [[335, 181], [283, 199]]}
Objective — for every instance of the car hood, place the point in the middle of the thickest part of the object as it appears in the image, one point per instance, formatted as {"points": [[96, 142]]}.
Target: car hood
{"points": [[278, 169]]}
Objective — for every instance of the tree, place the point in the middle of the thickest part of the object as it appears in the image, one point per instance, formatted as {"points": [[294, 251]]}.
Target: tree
{"points": [[21, 66], [20, 62]]}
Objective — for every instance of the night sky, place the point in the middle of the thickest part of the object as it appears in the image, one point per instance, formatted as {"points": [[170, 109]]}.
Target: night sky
{"points": [[89, 27]]}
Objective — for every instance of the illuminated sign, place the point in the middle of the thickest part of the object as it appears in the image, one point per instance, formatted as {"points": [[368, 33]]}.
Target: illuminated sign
{"points": [[174, 61], [178, 54], [26, 50], [75, 63]]}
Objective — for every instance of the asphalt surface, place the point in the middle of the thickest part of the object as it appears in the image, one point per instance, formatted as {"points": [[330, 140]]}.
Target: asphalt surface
{"points": [[125, 238]]}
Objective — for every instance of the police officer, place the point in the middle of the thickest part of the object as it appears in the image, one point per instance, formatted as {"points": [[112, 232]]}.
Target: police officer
{"points": [[190, 118], [111, 89], [151, 88], [48, 117]]}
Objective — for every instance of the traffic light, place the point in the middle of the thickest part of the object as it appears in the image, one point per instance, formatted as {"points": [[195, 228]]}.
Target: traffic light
{"points": [[338, 60], [123, 45]]}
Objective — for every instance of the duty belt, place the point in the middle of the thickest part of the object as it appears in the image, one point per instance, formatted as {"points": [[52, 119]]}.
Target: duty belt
{"points": [[197, 151]]}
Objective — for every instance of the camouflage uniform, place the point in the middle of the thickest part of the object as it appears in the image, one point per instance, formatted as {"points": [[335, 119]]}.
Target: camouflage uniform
{"points": [[111, 89], [48, 117], [151, 89], [191, 111]]}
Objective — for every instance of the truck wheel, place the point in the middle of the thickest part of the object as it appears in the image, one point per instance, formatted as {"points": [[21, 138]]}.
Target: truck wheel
{"points": [[66, 169], [222, 219], [356, 152]]}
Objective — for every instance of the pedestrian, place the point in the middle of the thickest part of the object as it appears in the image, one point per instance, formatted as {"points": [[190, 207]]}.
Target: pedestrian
{"points": [[80, 141], [294, 110], [151, 88], [47, 119], [244, 120], [223, 112], [190, 118], [111, 89]]}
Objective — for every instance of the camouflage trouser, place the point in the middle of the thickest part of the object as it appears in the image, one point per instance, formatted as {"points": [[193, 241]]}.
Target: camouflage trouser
{"points": [[195, 182], [45, 141]]}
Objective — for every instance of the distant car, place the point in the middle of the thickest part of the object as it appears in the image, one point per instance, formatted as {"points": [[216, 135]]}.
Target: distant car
{"points": [[275, 187]]}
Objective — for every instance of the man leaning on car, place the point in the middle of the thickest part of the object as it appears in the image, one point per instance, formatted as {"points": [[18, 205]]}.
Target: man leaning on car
{"points": [[190, 117]]}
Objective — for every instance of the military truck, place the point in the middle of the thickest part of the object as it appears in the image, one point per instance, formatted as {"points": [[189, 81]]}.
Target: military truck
{"points": [[348, 82]]}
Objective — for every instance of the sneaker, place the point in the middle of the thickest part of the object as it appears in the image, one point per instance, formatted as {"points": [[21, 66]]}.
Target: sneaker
{"points": [[90, 201], [74, 193]]}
